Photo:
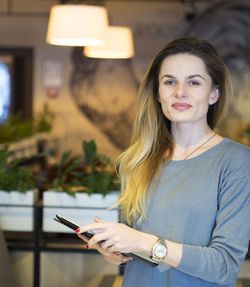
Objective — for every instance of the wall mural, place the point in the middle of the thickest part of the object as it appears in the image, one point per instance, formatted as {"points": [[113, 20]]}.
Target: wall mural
{"points": [[227, 26], [106, 91]]}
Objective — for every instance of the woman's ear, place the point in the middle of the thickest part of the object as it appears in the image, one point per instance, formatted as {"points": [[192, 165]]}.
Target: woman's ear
{"points": [[214, 96]]}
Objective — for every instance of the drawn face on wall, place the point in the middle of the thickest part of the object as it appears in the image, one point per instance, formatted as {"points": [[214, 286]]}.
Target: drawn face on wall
{"points": [[107, 96], [223, 24], [112, 91]]}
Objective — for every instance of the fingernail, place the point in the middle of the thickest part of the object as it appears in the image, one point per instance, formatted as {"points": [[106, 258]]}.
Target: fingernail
{"points": [[87, 246], [130, 258], [77, 230]]}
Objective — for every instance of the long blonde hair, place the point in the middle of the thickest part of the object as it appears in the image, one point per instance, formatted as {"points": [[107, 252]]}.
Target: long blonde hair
{"points": [[151, 134]]}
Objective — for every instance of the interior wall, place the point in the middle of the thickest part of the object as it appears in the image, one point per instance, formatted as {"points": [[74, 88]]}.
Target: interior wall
{"points": [[61, 269], [71, 269], [22, 264]]}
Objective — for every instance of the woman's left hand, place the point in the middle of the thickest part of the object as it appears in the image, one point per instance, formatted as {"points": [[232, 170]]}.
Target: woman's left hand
{"points": [[118, 237]]}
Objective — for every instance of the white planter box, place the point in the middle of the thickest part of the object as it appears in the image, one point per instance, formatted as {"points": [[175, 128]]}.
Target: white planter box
{"points": [[81, 210], [17, 218]]}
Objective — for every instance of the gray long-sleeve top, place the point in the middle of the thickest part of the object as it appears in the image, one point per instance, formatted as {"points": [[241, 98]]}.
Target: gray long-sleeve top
{"points": [[203, 203]]}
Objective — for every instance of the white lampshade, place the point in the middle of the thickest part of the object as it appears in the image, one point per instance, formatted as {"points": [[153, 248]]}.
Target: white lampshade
{"points": [[77, 25], [119, 45]]}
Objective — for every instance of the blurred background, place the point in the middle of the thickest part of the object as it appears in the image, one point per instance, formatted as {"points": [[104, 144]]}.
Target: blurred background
{"points": [[53, 98]]}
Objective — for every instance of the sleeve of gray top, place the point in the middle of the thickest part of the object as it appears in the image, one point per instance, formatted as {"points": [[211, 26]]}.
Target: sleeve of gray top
{"points": [[220, 262]]}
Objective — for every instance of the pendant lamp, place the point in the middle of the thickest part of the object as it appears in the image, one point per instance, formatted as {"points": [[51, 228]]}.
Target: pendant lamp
{"points": [[119, 45], [77, 25]]}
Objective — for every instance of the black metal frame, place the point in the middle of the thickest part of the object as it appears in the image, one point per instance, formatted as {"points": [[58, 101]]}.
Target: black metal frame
{"points": [[39, 241]]}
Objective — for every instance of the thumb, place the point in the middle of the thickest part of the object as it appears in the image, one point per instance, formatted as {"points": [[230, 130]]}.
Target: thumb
{"points": [[97, 219]]}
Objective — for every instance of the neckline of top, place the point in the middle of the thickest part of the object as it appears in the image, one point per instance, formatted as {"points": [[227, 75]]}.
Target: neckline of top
{"points": [[204, 154]]}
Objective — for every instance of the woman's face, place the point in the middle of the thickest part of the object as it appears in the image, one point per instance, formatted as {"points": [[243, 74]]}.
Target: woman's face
{"points": [[185, 89]]}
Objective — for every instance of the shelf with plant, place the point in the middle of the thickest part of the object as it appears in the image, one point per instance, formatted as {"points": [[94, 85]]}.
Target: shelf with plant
{"points": [[82, 188], [98, 174], [17, 127], [91, 173], [17, 188], [66, 173], [13, 176], [242, 134]]}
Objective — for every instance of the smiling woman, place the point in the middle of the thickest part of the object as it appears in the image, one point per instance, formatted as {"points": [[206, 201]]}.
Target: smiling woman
{"points": [[185, 89], [185, 191]]}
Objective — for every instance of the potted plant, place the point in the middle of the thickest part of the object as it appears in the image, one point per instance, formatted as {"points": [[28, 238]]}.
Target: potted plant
{"points": [[16, 188], [244, 134], [83, 188], [22, 134], [17, 128]]}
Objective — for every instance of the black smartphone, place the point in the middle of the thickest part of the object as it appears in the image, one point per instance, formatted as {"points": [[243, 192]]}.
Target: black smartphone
{"points": [[73, 226], [140, 257]]}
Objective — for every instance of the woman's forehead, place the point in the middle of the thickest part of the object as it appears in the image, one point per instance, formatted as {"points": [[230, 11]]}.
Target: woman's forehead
{"points": [[183, 64]]}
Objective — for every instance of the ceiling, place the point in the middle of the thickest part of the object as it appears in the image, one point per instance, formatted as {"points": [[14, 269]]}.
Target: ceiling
{"points": [[40, 8]]}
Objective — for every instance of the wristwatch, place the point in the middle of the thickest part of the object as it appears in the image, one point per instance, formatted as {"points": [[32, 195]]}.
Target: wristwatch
{"points": [[159, 250]]}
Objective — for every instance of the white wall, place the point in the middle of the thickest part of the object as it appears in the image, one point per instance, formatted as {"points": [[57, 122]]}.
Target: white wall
{"points": [[62, 269]]}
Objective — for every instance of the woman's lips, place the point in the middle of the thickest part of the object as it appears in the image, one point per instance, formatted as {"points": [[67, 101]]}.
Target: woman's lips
{"points": [[181, 106]]}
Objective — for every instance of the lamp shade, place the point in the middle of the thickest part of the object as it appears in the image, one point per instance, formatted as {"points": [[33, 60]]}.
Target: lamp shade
{"points": [[119, 45], [77, 25]]}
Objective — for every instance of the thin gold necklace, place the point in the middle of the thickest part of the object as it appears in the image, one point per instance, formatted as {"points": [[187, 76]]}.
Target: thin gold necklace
{"points": [[199, 146]]}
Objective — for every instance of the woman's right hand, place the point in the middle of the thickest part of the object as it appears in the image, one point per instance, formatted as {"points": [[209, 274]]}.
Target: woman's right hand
{"points": [[112, 258]]}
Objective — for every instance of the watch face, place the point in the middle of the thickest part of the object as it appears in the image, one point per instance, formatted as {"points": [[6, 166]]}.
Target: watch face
{"points": [[160, 251]]}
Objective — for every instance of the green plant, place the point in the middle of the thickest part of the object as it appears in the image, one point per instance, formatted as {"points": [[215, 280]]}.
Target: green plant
{"points": [[246, 137], [44, 120], [63, 180], [12, 175], [17, 127], [243, 134], [93, 174], [99, 175]]}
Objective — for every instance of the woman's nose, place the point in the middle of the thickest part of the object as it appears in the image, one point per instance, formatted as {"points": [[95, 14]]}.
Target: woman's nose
{"points": [[180, 91]]}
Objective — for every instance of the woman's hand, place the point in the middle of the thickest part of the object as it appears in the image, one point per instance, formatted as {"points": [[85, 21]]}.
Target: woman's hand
{"points": [[113, 258], [118, 237]]}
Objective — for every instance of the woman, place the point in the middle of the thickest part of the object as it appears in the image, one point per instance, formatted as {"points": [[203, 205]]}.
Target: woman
{"points": [[185, 189]]}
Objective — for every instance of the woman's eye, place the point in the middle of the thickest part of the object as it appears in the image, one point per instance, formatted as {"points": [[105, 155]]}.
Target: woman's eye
{"points": [[194, 83], [169, 82]]}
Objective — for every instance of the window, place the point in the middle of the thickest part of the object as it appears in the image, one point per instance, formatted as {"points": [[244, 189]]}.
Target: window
{"points": [[16, 80], [5, 86]]}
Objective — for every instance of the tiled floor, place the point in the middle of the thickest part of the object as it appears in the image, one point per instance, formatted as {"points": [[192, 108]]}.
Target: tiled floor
{"points": [[116, 281]]}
